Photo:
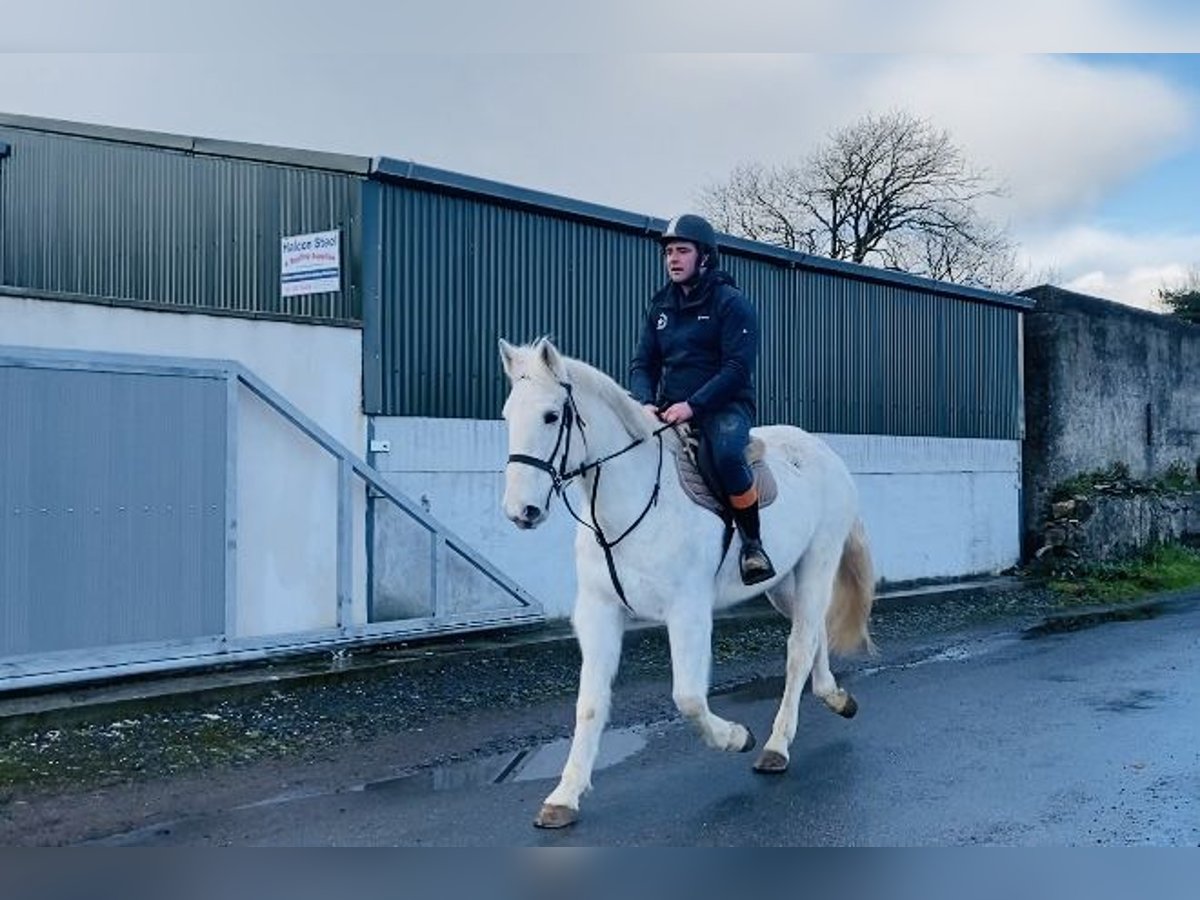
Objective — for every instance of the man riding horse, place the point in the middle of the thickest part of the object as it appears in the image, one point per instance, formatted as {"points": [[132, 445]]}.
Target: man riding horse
{"points": [[695, 363]]}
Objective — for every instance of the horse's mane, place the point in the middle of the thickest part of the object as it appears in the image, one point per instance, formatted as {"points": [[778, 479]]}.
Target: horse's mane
{"points": [[586, 379], [631, 413]]}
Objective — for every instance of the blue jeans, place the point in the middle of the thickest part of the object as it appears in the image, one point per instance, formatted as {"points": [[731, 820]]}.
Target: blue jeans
{"points": [[727, 432]]}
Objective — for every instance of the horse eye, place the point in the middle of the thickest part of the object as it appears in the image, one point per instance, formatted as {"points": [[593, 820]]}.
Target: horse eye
{"points": [[550, 418]]}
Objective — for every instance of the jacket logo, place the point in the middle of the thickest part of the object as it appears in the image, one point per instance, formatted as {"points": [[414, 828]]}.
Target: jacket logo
{"points": [[662, 321]]}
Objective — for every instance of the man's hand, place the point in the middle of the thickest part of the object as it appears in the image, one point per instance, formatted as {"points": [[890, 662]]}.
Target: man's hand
{"points": [[676, 413]]}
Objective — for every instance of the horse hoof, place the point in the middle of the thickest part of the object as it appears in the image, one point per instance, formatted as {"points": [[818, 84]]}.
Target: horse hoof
{"points": [[554, 816], [849, 708], [771, 763], [750, 742]]}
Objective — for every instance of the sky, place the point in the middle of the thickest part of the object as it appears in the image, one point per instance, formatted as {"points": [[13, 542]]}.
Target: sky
{"points": [[1088, 113]]}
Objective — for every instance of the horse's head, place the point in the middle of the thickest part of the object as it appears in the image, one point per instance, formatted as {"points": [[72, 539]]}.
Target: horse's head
{"points": [[543, 429]]}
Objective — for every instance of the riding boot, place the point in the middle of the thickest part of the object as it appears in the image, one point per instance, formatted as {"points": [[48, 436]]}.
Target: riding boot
{"points": [[755, 564]]}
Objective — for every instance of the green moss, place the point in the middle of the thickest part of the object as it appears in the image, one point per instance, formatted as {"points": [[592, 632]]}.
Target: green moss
{"points": [[1163, 568], [1085, 483], [1177, 479]]}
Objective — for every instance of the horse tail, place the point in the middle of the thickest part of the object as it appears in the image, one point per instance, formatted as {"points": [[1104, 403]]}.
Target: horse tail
{"points": [[853, 594]]}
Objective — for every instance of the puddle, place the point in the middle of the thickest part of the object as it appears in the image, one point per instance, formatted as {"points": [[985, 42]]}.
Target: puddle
{"points": [[534, 764], [769, 688], [1079, 621], [531, 764], [1131, 701]]}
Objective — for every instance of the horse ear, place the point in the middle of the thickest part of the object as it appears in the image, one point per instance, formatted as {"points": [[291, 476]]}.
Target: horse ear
{"points": [[552, 358], [507, 354]]}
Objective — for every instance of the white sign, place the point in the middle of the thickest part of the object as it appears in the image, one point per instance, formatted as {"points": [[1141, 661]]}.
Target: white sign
{"points": [[311, 263]]}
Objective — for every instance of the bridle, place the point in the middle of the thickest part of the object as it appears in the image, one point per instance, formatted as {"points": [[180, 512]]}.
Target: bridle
{"points": [[561, 477]]}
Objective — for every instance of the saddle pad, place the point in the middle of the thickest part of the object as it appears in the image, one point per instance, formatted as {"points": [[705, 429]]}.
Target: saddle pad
{"points": [[695, 486]]}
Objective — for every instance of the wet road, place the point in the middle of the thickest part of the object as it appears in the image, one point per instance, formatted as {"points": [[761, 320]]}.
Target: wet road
{"points": [[1050, 736]]}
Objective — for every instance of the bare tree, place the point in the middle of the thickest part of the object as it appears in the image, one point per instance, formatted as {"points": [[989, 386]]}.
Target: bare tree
{"points": [[888, 190]]}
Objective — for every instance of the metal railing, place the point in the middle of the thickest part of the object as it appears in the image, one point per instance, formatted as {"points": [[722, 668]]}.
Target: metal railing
{"points": [[444, 541], [101, 661]]}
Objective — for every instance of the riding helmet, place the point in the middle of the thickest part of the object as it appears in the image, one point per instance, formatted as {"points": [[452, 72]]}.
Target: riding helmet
{"points": [[694, 229]]}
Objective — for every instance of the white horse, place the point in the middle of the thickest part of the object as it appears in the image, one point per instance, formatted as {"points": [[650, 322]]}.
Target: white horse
{"points": [[645, 548]]}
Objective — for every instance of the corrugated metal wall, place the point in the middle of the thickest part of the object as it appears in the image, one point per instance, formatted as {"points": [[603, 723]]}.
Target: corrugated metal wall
{"points": [[112, 508], [848, 356], [458, 274], [840, 355], [157, 225]]}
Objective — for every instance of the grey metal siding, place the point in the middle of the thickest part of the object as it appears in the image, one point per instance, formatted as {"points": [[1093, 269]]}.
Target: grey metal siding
{"points": [[840, 354], [850, 356], [459, 274], [162, 226], [112, 508]]}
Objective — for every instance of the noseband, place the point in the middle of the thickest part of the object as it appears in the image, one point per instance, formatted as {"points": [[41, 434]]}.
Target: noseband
{"points": [[560, 477]]}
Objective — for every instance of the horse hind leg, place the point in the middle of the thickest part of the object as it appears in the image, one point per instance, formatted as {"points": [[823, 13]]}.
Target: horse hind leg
{"points": [[825, 686], [598, 628], [691, 657], [806, 596]]}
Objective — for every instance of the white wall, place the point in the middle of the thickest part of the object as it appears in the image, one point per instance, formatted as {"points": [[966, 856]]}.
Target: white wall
{"points": [[287, 486], [933, 507]]}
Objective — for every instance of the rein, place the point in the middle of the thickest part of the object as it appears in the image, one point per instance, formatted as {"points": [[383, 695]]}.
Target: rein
{"points": [[561, 477]]}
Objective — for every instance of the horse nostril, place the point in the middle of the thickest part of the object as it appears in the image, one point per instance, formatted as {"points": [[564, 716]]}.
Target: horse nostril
{"points": [[531, 513]]}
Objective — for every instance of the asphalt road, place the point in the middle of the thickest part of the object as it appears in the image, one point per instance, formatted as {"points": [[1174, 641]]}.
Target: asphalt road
{"points": [[1085, 731]]}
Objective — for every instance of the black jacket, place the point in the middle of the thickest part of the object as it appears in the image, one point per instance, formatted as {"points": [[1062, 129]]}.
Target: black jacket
{"points": [[700, 347]]}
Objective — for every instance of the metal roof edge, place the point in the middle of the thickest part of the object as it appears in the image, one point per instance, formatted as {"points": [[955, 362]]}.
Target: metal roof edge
{"points": [[310, 159], [864, 272], [401, 171], [408, 172]]}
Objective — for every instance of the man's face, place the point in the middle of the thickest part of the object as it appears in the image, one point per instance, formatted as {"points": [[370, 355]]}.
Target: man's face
{"points": [[682, 259]]}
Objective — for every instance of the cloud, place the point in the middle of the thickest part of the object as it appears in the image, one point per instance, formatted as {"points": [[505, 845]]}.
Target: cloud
{"points": [[1129, 268], [456, 26], [642, 132], [1060, 132]]}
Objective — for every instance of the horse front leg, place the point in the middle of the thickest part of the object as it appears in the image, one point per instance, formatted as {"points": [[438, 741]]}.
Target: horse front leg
{"points": [[599, 625], [691, 658]]}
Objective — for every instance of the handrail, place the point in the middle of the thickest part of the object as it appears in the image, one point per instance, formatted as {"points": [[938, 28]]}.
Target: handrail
{"points": [[351, 464]]}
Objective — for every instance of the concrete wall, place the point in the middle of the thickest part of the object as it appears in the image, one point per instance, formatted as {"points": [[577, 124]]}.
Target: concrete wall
{"points": [[287, 486], [1104, 384], [933, 508]]}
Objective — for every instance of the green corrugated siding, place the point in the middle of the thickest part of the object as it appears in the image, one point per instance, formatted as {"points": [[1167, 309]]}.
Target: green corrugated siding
{"points": [[459, 274], [90, 217], [848, 356], [840, 355]]}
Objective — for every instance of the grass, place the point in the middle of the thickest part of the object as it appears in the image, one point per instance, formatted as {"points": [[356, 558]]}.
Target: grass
{"points": [[1164, 568]]}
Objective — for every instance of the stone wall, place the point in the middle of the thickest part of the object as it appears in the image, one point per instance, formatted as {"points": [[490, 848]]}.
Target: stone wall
{"points": [[1106, 386], [1100, 527]]}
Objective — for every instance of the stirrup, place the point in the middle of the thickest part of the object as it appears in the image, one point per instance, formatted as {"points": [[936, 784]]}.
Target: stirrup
{"points": [[754, 563]]}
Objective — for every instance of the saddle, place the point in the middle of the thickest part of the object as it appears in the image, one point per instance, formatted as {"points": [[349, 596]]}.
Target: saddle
{"points": [[698, 476]]}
